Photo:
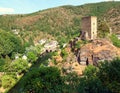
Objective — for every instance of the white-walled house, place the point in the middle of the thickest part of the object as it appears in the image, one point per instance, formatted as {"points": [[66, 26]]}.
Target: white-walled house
{"points": [[52, 45], [42, 41], [118, 36]]}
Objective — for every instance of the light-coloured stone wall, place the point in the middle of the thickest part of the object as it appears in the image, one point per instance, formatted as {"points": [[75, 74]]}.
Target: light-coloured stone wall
{"points": [[93, 27]]}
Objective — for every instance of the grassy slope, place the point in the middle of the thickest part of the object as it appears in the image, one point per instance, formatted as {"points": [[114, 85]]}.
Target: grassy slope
{"points": [[62, 21]]}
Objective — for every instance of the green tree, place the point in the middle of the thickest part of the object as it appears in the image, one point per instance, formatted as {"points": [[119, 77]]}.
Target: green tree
{"points": [[72, 81], [8, 81], [2, 63], [103, 29], [19, 66], [109, 74], [9, 43], [43, 80], [5, 45], [90, 82], [115, 40], [32, 57]]}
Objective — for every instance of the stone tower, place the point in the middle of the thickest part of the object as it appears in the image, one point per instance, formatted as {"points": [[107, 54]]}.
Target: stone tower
{"points": [[89, 28]]}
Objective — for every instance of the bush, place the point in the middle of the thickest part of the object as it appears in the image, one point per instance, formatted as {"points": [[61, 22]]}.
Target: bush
{"points": [[78, 44], [64, 53]]}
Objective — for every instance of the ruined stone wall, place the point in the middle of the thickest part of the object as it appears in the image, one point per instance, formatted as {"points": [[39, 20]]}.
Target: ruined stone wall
{"points": [[89, 27], [98, 50], [86, 26]]}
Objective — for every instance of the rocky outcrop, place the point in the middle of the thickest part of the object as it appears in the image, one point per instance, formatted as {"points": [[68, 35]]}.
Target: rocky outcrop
{"points": [[90, 53], [98, 50]]}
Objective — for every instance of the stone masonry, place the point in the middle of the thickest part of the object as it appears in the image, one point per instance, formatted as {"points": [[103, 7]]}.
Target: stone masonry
{"points": [[89, 28]]}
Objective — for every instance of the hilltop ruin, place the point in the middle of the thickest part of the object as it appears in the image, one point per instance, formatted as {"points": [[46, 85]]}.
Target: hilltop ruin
{"points": [[89, 28]]}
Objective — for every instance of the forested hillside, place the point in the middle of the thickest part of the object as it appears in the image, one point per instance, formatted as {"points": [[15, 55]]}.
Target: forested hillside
{"points": [[62, 21], [35, 56]]}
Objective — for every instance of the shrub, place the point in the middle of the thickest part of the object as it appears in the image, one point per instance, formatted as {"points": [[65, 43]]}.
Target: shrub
{"points": [[64, 53]]}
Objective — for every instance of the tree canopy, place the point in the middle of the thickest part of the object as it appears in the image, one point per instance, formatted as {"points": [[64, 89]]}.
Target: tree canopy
{"points": [[9, 43]]}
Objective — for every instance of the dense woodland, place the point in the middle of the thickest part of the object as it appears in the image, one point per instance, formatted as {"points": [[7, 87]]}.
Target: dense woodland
{"points": [[18, 75]]}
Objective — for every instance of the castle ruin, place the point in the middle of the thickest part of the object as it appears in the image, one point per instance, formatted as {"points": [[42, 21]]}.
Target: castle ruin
{"points": [[89, 28]]}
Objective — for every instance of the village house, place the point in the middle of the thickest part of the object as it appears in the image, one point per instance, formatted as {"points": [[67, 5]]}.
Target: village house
{"points": [[118, 36], [51, 46], [42, 41]]}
